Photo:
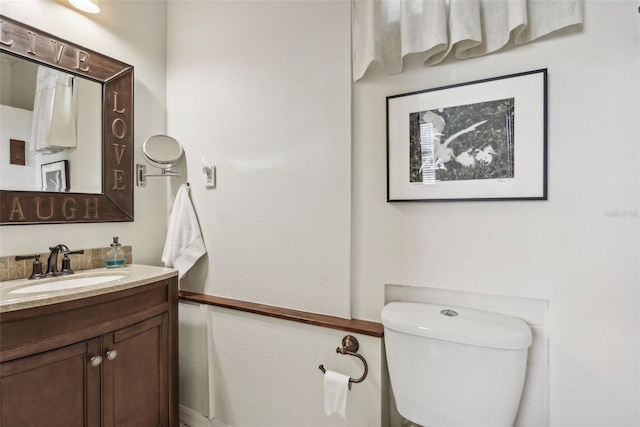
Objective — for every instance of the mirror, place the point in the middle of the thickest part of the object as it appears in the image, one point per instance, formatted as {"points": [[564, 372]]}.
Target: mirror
{"points": [[74, 105], [107, 132], [162, 150]]}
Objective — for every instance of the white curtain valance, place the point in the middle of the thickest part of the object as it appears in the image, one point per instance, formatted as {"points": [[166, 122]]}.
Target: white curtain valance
{"points": [[387, 30]]}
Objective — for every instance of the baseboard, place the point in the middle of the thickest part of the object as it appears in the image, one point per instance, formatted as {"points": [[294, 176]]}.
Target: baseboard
{"points": [[191, 418]]}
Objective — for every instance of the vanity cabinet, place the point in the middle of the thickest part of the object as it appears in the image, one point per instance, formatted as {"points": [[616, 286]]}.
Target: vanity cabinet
{"points": [[109, 360]]}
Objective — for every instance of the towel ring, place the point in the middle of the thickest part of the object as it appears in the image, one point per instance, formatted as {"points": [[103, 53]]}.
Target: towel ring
{"points": [[350, 346]]}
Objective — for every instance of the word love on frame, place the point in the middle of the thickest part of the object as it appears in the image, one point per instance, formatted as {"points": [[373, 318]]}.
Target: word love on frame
{"points": [[481, 140]]}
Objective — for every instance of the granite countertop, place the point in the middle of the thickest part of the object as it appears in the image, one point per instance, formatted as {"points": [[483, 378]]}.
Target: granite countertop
{"points": [[134, 275]]}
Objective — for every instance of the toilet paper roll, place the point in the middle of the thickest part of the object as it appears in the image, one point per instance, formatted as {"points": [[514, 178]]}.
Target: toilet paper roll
{"points": [[336, 386]]}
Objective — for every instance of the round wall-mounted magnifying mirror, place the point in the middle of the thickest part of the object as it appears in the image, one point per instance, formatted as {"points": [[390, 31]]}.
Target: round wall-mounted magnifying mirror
{"points": [[163, 151]]}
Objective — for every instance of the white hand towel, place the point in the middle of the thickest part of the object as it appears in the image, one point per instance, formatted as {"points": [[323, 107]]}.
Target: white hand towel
{"points": [[184, 244], [336, 387]]}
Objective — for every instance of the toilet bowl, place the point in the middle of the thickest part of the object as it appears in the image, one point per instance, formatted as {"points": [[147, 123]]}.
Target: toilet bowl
{"points": [[454, 366]]}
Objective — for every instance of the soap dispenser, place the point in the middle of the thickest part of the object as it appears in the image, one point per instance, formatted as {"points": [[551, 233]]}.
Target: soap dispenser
{"points": [[115, 256]]}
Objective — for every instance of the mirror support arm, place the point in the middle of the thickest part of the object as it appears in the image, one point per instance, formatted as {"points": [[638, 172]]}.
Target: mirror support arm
{"points": [[141, 174]]}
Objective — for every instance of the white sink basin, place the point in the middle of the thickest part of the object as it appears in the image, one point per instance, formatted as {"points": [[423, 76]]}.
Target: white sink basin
{"points": [[70, 283]]}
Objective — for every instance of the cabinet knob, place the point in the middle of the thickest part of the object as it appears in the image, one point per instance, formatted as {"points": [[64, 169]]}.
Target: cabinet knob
{"points": [[96, 360], [112, 354]]}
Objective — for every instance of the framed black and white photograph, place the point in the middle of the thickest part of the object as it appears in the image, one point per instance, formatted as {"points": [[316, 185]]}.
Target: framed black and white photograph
{"points": [[55, 176], [480, 140]]}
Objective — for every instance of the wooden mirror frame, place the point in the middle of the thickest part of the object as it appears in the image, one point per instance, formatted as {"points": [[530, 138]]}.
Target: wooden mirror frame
{"points": [[115, 203]]}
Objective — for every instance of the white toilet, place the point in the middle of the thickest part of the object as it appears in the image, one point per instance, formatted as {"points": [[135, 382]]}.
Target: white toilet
{"points": [[453, 366]]}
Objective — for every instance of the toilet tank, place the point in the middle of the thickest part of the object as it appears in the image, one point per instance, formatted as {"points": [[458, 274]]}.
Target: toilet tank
{"points": [[454, 366]]}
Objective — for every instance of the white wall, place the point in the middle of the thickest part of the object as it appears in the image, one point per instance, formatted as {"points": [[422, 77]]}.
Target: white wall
{"points": [[17, 83], [132, 32], [578, 250], [16, 124], [263, 90], [265, 373]]}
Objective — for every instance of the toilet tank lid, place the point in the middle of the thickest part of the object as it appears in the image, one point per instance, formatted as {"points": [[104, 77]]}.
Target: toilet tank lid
{"points": [[457, 324]]}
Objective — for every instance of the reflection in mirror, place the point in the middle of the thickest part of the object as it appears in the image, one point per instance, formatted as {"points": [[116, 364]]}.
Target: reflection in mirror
{"points": [[50, 117], [160, 151]]}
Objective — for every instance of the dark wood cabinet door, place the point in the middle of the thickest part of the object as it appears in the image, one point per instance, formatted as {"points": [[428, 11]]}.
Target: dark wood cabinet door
{"points": [[136, 378], [56, 388]]}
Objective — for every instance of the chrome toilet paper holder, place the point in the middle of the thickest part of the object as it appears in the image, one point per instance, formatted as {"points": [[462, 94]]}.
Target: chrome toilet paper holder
{"points": [[350, 346]]}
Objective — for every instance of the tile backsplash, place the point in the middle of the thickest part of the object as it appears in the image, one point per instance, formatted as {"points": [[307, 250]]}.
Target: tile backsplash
{"points": [[10, 269]]}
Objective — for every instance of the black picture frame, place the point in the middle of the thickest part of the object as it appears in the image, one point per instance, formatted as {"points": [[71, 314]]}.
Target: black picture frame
{"points": [[483, 140], [55, 176]]}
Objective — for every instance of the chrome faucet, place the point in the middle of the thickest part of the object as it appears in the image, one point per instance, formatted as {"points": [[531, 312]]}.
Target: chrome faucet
{"points": [[52, 262]]}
